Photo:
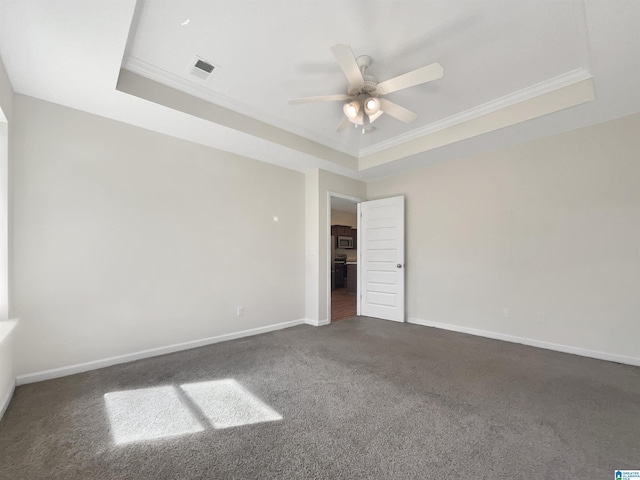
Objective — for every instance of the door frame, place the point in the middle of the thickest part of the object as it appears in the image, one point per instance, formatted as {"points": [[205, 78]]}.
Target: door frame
{"points": [[329, 259]]}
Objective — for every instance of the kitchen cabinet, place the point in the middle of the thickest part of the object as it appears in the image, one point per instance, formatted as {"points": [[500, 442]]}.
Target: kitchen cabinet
{"points": [[340, 230], [352, 277], [339, 274], [354, 235]]}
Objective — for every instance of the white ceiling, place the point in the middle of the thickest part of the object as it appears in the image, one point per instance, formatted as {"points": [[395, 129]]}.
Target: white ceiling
{"points": [[70, 52]]}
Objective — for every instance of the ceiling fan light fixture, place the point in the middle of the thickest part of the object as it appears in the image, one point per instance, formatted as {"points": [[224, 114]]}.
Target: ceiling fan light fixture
{"points": [[363, 105], [358, 119], [373, 117], [371, 105], [351, 109]]}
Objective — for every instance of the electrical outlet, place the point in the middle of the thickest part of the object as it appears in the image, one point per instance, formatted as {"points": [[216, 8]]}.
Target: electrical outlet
{"points": [[240, 311], [542, 317], [505, 312]]}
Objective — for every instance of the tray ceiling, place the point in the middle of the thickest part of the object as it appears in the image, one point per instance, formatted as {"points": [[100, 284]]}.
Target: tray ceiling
{"points": [[269, 52]]}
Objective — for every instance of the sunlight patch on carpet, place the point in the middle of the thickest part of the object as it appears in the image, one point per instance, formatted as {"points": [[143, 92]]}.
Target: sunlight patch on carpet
{"points": [[227, 404], [148, 414]]}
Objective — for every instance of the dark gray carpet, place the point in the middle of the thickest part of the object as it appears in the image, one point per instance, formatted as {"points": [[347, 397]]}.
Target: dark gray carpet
{"points": [[361, 398]]}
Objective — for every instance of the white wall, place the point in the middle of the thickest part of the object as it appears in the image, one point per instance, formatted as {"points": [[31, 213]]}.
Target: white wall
{"points": [[6, 93], [6, 114], [125, 239], [340, 217], [549, 230], [7, 375]]}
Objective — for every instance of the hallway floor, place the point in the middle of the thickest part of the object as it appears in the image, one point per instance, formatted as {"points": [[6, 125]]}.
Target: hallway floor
{"points": [[343, 304]]}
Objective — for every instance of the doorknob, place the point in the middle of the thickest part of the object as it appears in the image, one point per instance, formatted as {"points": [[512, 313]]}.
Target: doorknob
{"points": [[399, 265]]}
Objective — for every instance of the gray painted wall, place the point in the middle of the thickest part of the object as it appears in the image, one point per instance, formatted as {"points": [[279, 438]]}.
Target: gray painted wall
{"points": [[547, 230], [127, 240]]}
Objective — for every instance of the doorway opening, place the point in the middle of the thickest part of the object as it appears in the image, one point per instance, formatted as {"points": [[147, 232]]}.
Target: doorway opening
{"points": [[343, 257]]}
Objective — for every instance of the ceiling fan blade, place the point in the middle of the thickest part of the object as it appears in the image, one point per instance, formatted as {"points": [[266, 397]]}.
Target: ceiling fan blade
{"points": [[415, 77], [322, 98], [396, 111], [346, 60], [344, 123]]}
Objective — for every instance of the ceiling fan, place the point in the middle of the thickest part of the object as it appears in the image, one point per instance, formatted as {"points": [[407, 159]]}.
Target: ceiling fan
{"points": [[364, 92]]}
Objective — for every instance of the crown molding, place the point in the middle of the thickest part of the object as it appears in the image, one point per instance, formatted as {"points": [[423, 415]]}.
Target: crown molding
{"points": [[151, 72], [547, 86]]}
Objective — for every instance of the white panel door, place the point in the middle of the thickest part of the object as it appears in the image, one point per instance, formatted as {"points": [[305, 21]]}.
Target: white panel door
{"points": [[381, 252]]}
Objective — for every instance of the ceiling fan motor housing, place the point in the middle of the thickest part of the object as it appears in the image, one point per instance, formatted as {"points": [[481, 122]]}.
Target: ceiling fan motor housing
{"points": [[369, 89]]}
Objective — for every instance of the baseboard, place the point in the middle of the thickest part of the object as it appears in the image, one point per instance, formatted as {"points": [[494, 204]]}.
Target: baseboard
{"points": [[583, 352], [317, 323], [4, 403], [153, 352]]}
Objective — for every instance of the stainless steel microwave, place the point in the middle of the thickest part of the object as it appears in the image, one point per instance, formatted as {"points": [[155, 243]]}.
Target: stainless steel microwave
{"points": [[344, 242]]}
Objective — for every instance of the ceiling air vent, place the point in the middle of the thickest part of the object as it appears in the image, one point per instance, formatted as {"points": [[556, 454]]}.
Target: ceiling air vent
{"points": [[201, 68]]}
